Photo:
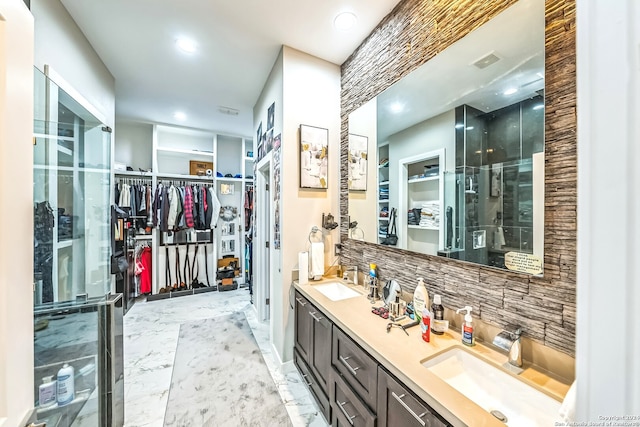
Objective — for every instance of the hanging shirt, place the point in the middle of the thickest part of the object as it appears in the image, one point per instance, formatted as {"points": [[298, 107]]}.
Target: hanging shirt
{"points": [[214, 207], [174, 204], [188, 207], [164, 209], [125, 196]]}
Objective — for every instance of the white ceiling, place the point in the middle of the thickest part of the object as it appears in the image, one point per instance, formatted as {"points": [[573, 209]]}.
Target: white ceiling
{"points": [[238, 43], [450, 79]]}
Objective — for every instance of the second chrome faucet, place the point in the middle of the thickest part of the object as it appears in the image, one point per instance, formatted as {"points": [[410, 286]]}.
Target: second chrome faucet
{"points": [[510, 341]]}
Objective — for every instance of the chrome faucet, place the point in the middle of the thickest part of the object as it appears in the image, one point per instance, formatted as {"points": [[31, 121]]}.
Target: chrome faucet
{"points": [[354, 277], [509, 340]]}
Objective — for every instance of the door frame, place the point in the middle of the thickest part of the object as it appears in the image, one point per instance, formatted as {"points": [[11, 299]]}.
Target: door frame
{"points": [[264, 225]]}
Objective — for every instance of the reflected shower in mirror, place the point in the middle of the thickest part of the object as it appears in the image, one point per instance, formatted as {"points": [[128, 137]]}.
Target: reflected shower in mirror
{"points": [[457, 149]]}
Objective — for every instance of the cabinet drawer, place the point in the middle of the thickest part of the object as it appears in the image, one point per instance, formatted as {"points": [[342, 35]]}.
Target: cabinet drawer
{"points": [[316, 390], [302, 326], [397, 406], [346, 408], [358, 368]]}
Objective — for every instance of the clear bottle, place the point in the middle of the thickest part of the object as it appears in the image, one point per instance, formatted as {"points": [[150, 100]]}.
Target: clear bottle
{"points": [[437, 311]]}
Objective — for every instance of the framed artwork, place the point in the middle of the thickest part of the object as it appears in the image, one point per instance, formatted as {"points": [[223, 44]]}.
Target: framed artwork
{"points": [[269, 145], [313, 157], [276, 141], [357, 158], [271, 116]]}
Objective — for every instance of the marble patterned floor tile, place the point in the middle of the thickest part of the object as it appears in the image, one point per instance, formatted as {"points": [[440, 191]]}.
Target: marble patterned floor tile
{"points": [[151, 332]]}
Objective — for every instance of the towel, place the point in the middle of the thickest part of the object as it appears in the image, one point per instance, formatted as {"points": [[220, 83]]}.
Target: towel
{"points": [[568, 408], [316, 260]]}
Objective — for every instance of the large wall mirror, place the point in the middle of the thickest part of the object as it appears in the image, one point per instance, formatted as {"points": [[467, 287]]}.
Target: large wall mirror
{"points": [[456, 149]]}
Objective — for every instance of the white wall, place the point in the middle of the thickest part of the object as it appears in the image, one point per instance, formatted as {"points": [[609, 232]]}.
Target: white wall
{"points": [[272, 92], [608, 279], [311, 96], [133, 144], [16, 245], [306, 91], [60, 44], [363, 205], [433, 134]]}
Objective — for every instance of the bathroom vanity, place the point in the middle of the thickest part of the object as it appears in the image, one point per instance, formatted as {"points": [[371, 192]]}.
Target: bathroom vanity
{"points": [[363, 376]]}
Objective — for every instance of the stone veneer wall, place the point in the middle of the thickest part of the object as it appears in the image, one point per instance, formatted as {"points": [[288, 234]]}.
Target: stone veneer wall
{"points": [[410, 35]]}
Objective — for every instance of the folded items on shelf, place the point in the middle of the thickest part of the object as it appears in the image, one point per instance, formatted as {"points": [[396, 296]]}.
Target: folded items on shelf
{"points": [[430, 215]]}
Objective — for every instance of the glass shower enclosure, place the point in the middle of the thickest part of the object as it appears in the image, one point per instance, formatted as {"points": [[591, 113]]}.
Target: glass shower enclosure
{"points": [[77, 321]]}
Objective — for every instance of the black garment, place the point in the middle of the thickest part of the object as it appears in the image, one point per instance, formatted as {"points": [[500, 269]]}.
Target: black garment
{"points": [[164, 210], [43, 222], [208, 214]]}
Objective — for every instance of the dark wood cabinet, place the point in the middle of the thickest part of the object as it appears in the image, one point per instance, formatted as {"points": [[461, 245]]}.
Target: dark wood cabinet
{"points": [[320, 356], [350, 387], [313, 332], [347, 407], [397, 406], [310, 380], [357, 367], [302, 327]]}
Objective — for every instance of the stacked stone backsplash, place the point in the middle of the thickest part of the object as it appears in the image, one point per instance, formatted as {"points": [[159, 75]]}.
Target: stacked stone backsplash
{"points": [[411, 34]]}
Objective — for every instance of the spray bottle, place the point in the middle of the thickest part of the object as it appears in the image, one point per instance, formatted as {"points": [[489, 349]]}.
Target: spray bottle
{"points": [[467, 327]]}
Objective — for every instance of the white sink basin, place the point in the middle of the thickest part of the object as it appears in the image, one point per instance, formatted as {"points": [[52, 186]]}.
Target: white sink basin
{"points": [[336, 291], [493, 389]]}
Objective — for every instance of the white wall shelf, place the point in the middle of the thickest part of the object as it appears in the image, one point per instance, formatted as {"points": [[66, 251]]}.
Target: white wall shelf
{"points": [[170, 149]]}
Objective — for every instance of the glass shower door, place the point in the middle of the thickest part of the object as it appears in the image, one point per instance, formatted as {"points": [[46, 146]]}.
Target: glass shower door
{"points": [[75, 319]]}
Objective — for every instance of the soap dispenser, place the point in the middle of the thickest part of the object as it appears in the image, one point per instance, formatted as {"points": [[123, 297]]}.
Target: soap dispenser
{"points": [[467, 326]]}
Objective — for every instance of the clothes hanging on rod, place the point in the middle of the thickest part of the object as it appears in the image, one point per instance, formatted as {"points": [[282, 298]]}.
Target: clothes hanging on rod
{"points": [[143, 267]]}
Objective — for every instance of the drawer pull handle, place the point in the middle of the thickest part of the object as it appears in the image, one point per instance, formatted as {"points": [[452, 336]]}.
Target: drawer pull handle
{"points": [[304, 378], [301, 301], [349, 367], [346, 414], [313, 314], [417, 417]]}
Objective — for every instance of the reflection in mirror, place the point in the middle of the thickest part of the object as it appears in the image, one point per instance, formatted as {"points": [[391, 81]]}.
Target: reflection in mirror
{"points": [[456, 148]]}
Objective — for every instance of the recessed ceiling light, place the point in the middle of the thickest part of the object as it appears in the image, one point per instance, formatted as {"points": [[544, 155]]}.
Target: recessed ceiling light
{"points": [[396, 107], [186, 45], [459, 126], [179, 115], [510, 91], [538, 107], [345, 21]]}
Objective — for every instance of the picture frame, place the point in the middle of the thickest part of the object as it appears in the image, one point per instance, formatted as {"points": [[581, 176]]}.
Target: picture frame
{"points": [[358, 162], [271, 116], [314, 159]]}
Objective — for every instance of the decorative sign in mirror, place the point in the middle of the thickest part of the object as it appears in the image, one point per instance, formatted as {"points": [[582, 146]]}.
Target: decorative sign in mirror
{"points": [[457, 148]]}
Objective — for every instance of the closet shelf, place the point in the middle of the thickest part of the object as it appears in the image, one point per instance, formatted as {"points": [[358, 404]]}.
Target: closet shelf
{"points": [[424, 179], [135, 174], [420, 227], [184, 177], [183, 151], [229, 179]]}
